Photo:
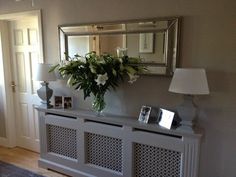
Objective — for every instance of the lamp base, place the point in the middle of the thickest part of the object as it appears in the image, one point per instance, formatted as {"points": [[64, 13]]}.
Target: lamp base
{"points": [[43, 105], [185, 128], [45, 93], [187, 112]]}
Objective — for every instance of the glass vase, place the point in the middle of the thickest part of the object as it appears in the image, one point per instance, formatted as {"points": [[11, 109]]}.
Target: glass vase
{"points": [[99, 104]]}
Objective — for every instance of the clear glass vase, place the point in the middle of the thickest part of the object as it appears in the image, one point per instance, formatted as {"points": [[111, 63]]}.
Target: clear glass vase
{"points": [[99, 104]]}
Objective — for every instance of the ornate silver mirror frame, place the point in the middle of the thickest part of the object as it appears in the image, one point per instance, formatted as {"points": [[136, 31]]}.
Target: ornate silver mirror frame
{"points": [[155, 41]]}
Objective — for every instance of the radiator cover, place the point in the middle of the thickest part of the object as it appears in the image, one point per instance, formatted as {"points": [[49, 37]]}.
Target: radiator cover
{"points": [[79, 144]]}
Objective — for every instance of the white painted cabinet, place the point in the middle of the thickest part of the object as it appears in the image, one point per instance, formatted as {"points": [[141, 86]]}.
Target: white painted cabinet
{"points": [[79, 143]]}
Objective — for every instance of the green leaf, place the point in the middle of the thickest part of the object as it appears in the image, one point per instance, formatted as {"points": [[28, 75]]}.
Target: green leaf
{"points": [[53, 68]]}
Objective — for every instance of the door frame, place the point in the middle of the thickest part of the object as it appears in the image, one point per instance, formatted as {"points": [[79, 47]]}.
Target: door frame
{"points": [[10, 116]]}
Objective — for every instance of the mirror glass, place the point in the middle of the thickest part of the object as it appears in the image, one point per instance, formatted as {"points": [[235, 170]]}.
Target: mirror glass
{"points": [[154, 41]]}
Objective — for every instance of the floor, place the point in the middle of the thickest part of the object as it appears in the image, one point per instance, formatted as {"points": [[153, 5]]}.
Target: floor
{"points": [[25, 159]]}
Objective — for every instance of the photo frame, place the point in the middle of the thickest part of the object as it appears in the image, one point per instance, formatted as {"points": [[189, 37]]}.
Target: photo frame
{"points": [[58, 102], [146, 41], [67, 102], [165, 118], [144, 114]]}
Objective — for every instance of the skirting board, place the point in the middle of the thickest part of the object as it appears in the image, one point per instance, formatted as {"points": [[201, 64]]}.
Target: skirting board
{"points": [[3, 142], [61, 168]]}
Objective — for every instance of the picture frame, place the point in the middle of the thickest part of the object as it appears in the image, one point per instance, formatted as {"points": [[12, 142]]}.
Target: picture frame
{"points": [[144, 114], [58, 102], [67, 102], [146, 41], [165, 118]]}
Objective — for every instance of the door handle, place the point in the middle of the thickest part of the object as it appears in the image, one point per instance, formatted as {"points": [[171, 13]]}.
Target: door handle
{"points": [[13, 86]]}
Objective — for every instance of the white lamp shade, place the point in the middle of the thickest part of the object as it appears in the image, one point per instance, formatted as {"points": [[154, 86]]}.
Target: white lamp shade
{"points": [[189, 81], [43, 74]]}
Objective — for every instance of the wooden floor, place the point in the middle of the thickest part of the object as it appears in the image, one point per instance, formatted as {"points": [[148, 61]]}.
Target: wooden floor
{"points": [[25, 159]]}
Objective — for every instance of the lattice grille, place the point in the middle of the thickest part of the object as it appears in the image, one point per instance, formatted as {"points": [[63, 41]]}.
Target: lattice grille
{"points": [[104, 151], [62, 141], [151, 161]]}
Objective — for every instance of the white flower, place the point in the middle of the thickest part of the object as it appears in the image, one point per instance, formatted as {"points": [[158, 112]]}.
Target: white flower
{"points": [[120, 60], [81, 66], [100, 60], [64, 62], [101, 79], [121, 52], [133, 78], [82, 59], [70, 81], [92, 69]]}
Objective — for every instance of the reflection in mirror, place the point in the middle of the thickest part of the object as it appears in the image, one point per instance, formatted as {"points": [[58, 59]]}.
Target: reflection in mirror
{"points": [[81, 45], [148, 46], [154, 41]]}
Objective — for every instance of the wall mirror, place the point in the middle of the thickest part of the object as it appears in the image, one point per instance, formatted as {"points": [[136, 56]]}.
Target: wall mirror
{"points": [[155, 41]]}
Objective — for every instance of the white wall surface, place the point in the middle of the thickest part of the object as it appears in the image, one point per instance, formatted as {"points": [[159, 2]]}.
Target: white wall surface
{"points": [[208, 40]]}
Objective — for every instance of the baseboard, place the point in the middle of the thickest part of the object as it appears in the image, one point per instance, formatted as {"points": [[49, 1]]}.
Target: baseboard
{"points": [[61, 168], [3, 142]]}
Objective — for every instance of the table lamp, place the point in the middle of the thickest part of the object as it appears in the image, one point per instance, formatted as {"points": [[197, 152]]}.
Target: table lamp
{"points": [[189, 82], [43, 74]]}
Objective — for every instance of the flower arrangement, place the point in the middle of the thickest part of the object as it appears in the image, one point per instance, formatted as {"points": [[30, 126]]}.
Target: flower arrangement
{"points": [[97, 74]]}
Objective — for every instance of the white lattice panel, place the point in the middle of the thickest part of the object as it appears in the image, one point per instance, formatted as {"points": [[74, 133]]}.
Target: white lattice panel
{"points": [[62, 141], [151, 161], [104, 151]]}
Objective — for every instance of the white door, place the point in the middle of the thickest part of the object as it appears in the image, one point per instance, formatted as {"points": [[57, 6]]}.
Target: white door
{"points": [[25, 55], [2, 85]]}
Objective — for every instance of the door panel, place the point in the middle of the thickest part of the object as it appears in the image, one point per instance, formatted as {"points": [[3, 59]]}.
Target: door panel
{"points": [[18, 36], [34, 59], [32, 36], [36, 123], [24, 120], [20, 61]]}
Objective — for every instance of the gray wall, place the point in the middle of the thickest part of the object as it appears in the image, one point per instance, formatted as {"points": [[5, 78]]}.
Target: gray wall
{"points": [[208, 40]]}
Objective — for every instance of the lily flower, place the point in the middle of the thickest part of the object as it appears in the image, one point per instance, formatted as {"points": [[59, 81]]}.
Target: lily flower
{"points": [[120, 60], [64, 62], [133, 78], [70, 81], [92, 68], [101, 79]]}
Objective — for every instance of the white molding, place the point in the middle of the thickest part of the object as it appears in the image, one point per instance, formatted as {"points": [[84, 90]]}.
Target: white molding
{"points": [[19, 15], [25, 14], [191, 157], [4, 142], [40, 30], [8, 99]]}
